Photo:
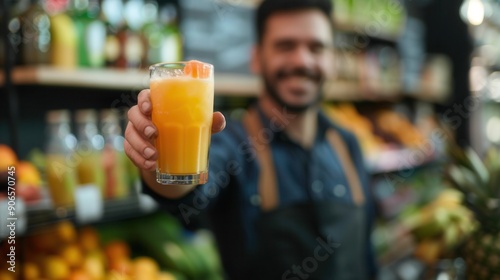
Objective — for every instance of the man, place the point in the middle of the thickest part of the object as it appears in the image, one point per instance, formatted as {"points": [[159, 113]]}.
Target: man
{"points": [[287, 196]]}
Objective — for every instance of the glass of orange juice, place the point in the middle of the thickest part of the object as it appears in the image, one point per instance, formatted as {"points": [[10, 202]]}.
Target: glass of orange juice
{"points": [[182, 97]]}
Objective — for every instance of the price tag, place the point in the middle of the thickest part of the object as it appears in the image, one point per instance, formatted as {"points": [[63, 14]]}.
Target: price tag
{"points": [[146, 203], [88, 204]]}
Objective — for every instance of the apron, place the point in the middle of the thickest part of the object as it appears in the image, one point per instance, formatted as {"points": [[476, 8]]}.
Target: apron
{"points": [[314, 240]]}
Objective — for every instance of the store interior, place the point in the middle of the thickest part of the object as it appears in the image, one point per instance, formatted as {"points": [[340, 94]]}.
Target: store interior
{"points": [[417, 82]]}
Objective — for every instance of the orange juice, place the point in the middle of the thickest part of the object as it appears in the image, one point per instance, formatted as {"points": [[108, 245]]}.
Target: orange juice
{"points": [[62, 180], [182, 113]]}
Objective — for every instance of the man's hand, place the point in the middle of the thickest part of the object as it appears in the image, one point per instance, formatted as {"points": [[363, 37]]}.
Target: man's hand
{"points": [[140, 133]]}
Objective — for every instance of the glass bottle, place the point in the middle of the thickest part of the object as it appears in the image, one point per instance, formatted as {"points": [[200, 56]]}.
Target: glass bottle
{"points": [[112, 11], [64, 36], [89, 150], [36, 34], [61, 166], [152, 33], [113, 155], [171, 49], [91, 33], [134, 48]]}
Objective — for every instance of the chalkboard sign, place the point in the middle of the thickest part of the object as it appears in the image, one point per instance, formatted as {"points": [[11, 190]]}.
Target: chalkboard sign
{"points": [[218, 32]]}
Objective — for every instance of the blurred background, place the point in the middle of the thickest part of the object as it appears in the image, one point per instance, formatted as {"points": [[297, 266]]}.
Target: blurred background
{"points": [[418, 82]]}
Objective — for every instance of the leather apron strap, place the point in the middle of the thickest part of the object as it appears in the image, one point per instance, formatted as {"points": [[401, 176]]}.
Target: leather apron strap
{"points": [[268, 187], [268, 184], [348, 166]]}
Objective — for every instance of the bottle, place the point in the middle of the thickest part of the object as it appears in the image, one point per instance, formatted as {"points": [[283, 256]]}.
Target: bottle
{"points": [[113, 155], [161, 34], [14, 35], [61, 166], [171, 44], [64, 37], [89, 150], [115, 37], [134, 47], [36, 34], [152, 33], [91, 33]]}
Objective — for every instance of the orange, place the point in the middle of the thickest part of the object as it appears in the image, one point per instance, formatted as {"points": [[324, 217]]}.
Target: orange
{"points": [[31, 271], [28, 174], [145, 268], [88, 239], [116, 250], [79, 275], [7, 157], [197, 69], [56, 268], [72, 254], [66, 232]]}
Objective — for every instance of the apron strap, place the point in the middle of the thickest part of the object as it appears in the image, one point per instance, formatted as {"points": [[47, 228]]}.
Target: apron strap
{"points": [[350, 171], [268, 184], [268, 187]]}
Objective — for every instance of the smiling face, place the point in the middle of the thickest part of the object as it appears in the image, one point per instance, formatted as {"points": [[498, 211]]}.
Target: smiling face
{"points": [[294, 57]]}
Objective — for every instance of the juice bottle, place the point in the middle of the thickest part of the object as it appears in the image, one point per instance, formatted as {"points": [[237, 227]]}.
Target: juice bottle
{"points": [[116, 185], [60, 168], [89, 151]]}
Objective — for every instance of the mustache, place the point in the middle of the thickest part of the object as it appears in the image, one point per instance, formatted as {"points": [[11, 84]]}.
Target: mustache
{"points": [[299, 72]]}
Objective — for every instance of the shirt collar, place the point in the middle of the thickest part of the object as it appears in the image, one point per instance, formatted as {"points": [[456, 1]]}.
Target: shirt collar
{"points": [[275, 130]]}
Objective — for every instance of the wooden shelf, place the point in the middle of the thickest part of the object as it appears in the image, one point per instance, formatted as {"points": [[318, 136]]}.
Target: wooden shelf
{"points": [[239, 85], [116, 79]]}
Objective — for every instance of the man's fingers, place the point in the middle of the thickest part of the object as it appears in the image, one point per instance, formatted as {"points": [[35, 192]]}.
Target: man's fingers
{"points": [[218, 123], [137, 158], [139, 144], [144, 102], [141, 123]]}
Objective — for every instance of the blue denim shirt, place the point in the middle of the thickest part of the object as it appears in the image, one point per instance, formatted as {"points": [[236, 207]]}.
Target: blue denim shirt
{"points": [[230, 200]]}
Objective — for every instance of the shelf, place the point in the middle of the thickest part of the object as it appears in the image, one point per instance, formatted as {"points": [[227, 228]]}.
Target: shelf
{"points": [[31, 217], [113, 210], [239, 85], [115, 79], [396, 160]]}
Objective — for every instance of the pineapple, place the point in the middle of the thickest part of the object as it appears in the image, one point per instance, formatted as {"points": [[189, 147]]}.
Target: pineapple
{"points": [[479, 181]]}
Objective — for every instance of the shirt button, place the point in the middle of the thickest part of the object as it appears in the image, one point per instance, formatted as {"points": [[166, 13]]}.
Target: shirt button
{"points": [[339, 190], [255, 200], [317, 186]]}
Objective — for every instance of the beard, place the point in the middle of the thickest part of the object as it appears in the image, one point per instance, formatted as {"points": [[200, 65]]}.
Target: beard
{"points": [[271, 89]]}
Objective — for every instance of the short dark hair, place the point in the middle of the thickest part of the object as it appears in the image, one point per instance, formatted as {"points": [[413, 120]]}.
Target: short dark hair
{"points": [[269, 7]]}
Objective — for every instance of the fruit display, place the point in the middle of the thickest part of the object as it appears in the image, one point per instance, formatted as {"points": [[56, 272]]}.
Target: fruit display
{"points": [[439, 226], [479, 181], [110, 252], [399, 127], [377, 130], [348, 117], [28, 180]]}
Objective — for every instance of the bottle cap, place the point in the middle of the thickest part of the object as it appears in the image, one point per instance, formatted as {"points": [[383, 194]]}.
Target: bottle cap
{"points": [[86, 116], [58, 116]]}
